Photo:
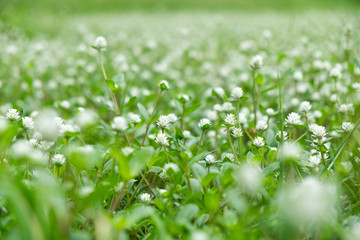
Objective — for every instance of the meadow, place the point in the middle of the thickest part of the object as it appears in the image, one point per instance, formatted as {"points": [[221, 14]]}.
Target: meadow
{"points": [[180, 125]]}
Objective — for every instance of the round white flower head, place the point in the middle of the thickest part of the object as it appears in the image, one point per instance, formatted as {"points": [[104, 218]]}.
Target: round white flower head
{"points": [[236, 132], [290, 150], [293, 119], [161, 139], [163, 122], [219, 91], [305, 106], [261, 125], [172, 166], [119, 123], [127, 151], [209, 159], [227, 107], [335, 72], [270, 112], [28, 122], [347, 126], [58, 160], [317, 131], [228, 156], [298, 75], [212, 115], [134, 118], [230, 120], [172, 117], [204, 124], [187, 134], [145, 197], [256, 62], [100, 43], [237, 93], [12, 114], [183, 98], [164, 85], [347, 108], [259, 142], [314, 160]]}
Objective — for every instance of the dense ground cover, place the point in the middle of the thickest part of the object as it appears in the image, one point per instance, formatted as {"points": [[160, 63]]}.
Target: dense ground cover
{"points": [[185, 126]]}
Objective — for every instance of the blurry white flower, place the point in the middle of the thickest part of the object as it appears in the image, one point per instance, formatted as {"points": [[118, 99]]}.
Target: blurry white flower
{"points": [[134, 118], [314, 160], [209, 159], [270, 111], [236, 132], [261, 125], [204, 124], [28, 122], [259, 142], [186, 134], [237, 93], [335, 72], [317, 131], [145, 197], [347, 126], [172, 117], [298, 75], [161, 139], [183, 98], [119, 123], [58, 160], [227, 107], [12, 114], [285, 135], [219, 91], [256, 62], [100, 43], [127, 151], [229, 156], [293, 119], [164, 85], [248, 177], [347, 108], [172, 166], [305, 106], [290, 150], [86, 118]]}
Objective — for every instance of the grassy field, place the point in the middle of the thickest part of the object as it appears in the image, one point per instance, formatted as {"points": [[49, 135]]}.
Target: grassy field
{"points": [[198, 120]]}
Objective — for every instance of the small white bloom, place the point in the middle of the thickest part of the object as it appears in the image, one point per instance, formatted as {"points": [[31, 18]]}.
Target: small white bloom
{"points": [[259, 142], [172, 117], [163, 122], [227, 107], [237, 93], [164, 85], [204, 123], [161, 139], [219, 91], [119, 123], [172, 166], [230, 119], [127, 151], [134, 118], [59, 159], [335, 72], [285, 135], [317, 131], [314, 160], [261, 125], [256, 62], [187, 134], [100, 43], [305, 106], [347, 126], [12, 114], [145, 197], [183, 98], [298, 75], [209, 159], [293, 119], [347, 108], [236, 132], [270, 112], [28, 122], [229, 156]]}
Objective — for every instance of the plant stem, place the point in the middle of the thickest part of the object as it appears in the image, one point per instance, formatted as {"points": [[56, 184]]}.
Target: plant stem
{"points": [[201, 139], [231, 145], [254, 97]]}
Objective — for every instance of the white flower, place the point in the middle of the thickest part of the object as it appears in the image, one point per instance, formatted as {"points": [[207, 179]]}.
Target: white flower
{"points": [[256, 62], [347, 126], [164, 85], [134, 118], [227, 107], [229, 156], [314, 160], [347, 108], [249, 177], [163, 122], [259, 142], [209, 159], [317, 131], [145, 197], [298, 75], [127, 151], [28, 122], [261, 125], [335, 72], [237, 93], [161, 139], [270, 111], [100, 43], [219, 91], [59, 159], [172, 166], [230, 119], [187, 134], [285, 135], [212, 115], [183, 98], [290, 150], [236, 132], [305, 106], [34, 143], [293, 119], [204, 124], [12, 114], [172, 117], [119, 123]]}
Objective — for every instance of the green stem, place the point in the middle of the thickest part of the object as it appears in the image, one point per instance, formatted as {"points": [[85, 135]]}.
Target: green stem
{"points": [[201, 139], [231, 145], [254, 97]]}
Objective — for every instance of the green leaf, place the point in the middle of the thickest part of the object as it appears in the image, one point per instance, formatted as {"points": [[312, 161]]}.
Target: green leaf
{"points": [[130, 102], [208, 178], [187, 212], [144, 113], [139, 160], [192, 108], [110, 83], [198, 170], [259, 79], [119, 81]]}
